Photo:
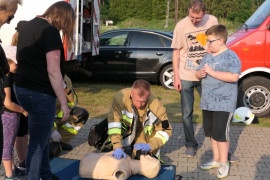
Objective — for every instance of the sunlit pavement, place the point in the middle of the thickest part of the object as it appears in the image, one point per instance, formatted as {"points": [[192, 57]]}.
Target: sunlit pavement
{"points": [[250, 144]]}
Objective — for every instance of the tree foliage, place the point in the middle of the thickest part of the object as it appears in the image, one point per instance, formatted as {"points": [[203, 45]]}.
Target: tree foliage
{"points": [[234, 10]]}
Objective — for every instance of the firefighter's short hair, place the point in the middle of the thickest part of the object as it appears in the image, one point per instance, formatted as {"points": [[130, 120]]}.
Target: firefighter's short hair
{"points": [[142, 85]]}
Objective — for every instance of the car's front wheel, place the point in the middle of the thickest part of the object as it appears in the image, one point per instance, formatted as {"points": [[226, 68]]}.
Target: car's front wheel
{"points": [[254, 93], [166, 77]]}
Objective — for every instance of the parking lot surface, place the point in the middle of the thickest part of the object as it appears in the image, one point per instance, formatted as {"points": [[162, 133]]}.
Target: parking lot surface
{"points": [[250, 144]]}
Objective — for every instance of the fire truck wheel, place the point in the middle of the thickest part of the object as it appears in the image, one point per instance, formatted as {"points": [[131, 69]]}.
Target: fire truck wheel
{"points": [[254, 93]]}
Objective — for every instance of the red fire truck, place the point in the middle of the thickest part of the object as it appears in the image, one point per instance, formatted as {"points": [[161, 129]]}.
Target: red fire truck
{"points": [[252, 44]]}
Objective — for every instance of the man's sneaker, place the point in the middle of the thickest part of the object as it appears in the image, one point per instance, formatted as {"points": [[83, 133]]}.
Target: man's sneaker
{"points": [[190, 152], [223, 170], [232, 158], [209, 165]]}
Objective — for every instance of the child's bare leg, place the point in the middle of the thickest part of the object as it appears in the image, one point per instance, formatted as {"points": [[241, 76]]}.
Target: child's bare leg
{"points": [[215, 150], [223, 148]]}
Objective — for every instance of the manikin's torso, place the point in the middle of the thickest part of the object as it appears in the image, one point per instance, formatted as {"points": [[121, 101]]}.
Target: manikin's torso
{"points": [[104, 166]]}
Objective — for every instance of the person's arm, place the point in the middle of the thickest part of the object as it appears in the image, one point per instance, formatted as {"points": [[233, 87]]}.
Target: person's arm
{"points": [[223, 76], [70, 93], [55, 76], [115, 128], [176, 63], [163, 129], [114, 124], [11, 105]]}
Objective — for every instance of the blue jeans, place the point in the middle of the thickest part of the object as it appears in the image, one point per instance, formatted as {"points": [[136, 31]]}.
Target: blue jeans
{"points": [[41, 112], [187, 102]]}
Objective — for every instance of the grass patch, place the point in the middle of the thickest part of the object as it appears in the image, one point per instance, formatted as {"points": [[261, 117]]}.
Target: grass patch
{"points": [[96, 97], [160, 25]]}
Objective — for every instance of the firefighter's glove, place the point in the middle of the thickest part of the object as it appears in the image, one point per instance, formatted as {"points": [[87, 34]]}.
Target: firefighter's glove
{"points": [[119, 153], [142, 147], [56, 136]]}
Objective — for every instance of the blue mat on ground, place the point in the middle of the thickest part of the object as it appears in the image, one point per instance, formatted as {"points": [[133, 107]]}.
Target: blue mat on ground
{"points": [[68, 169]]}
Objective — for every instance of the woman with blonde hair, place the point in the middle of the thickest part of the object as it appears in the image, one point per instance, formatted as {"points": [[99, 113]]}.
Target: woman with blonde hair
{"points": [[39, 80]]}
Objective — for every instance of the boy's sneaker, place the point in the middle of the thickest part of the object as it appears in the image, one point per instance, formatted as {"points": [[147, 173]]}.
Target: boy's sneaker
{"points": [[190, 152], [223, 170], [209, 165]]}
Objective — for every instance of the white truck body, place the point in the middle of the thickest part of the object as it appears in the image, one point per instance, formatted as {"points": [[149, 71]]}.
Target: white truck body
{"points": [[31, 8]]}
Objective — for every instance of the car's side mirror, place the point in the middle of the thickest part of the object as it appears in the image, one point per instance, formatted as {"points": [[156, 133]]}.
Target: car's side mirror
{"points": [[268, 26]]}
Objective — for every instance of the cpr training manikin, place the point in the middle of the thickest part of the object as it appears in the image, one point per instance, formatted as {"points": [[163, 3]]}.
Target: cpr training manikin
{"points": [[104, 166]]}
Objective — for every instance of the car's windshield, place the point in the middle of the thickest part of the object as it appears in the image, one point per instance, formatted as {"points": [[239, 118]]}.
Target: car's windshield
{"points": [[258, 16]]}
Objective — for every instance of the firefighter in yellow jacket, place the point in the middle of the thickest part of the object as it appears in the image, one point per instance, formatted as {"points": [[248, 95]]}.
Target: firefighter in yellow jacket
{"points": [[63, 132], [137, 120]]}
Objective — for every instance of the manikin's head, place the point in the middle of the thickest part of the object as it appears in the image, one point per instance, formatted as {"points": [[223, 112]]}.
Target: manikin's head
{"points": [[150, 166]]}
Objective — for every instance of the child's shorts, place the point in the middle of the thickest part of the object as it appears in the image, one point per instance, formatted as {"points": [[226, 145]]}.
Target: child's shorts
{"points": [[216, 124]]}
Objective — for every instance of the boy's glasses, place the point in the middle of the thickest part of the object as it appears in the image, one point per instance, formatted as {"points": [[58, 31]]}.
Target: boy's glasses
{"points": [[210, 42]]}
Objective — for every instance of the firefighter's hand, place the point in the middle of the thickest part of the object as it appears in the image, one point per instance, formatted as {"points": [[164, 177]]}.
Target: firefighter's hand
{"points": [[119, 153], [142, 147], [56, 136], [66, 112]]}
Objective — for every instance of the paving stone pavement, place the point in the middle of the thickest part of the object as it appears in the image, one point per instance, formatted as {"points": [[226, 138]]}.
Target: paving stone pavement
{"points": [[250, 144]]}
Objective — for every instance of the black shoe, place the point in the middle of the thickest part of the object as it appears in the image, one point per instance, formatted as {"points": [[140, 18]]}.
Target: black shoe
{"points": [[232, 158], [19, 172], [190, 152], [21, 166], [66, 146], [54, 177], [14, 177]]}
